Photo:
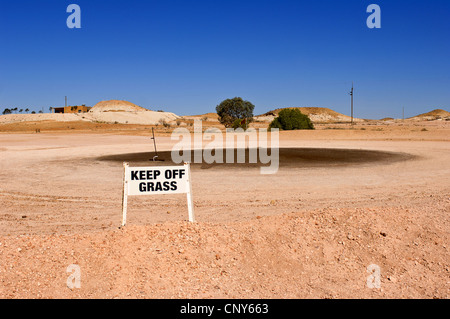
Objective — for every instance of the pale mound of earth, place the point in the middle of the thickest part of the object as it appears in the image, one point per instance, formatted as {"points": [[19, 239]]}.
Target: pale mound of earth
{"points": [[17, 118], [316, 114], [116, 106], [138, 118], [437, 114], [124, 112]]}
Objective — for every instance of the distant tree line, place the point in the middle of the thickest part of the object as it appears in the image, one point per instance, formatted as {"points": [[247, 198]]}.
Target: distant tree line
{"points": [[17, 110]]}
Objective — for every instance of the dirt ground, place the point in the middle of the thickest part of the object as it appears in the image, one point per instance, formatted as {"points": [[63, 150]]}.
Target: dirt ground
{"points": [[342, 200]]}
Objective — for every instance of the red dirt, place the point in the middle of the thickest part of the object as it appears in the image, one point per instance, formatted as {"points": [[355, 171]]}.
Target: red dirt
{"points": [[302, 233]]}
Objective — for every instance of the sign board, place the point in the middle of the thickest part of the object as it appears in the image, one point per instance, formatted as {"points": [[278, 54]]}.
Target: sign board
{"points": [[159, 180]]}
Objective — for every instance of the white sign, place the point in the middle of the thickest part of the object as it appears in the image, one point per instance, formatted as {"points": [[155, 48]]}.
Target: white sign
{"points": [[157, 180]]}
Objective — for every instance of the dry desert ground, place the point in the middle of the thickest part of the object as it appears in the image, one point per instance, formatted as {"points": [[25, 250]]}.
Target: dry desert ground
{"points": [[343, 199]]}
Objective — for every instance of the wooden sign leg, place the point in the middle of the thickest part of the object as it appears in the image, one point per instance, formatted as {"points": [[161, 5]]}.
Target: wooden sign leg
{"points": [[124, 195], [190, 201]]}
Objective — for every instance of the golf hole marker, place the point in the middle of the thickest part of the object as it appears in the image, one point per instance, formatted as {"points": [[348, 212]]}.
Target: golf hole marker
{"points": [[159, 180]]}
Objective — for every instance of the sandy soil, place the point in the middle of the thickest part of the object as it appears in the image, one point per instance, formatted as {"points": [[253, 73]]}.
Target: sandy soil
{"points": [[310, 231]]}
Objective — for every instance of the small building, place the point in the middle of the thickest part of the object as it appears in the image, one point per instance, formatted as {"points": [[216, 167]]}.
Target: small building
{"points": [[72, 109]]}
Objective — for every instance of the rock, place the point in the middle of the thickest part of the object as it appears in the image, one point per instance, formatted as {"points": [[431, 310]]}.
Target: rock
{"points": [[392, 279]]}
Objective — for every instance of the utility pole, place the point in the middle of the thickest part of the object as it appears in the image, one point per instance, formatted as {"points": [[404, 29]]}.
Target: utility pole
{"points": [[351, 94], [66, 102], [403, 113]]}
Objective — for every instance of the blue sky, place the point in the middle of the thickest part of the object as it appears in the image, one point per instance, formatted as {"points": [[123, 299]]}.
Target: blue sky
{"points": [[188, 56]]}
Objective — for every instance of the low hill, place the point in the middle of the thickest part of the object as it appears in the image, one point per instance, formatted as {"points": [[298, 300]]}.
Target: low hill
{"points": [[116, 106], [316, 114], [20, 118], [124, 112], [433, 115]]}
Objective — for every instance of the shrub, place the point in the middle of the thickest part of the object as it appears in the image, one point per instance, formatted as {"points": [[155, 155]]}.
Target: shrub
{"points": [[164, 123], [292, 119], [238, 123]]}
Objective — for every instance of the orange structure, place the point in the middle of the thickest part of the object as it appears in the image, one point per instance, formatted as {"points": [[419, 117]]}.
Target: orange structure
{"points": [[72, 109]]}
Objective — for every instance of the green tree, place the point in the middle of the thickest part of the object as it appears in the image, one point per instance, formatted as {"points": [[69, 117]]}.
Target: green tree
{"points": [[232, 110], [292, 119]]}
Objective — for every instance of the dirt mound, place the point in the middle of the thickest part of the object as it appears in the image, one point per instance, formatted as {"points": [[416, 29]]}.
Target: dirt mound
{"points": [[116, 106], [316, 114], [49, 117], [324, 252], [433, 115], [123, 112]]}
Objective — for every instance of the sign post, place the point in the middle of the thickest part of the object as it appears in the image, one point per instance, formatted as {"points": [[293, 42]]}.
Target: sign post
{"points": [[190, 202], [124, 195], [157, 180]]}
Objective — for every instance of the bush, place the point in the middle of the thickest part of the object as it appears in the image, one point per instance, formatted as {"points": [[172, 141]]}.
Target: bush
{"points": [[238, 123], [292, 119], [231, 110], [164, 123]]}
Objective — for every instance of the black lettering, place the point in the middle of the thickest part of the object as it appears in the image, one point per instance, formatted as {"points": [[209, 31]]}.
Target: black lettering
{"points": [[168, 174], [152, 174], [166, 186], [142, 175], [173, 186], [134, 176], [142, 187], [150, 186], [158, 187]]}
